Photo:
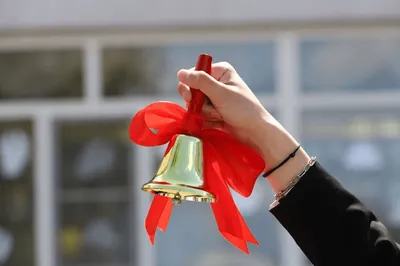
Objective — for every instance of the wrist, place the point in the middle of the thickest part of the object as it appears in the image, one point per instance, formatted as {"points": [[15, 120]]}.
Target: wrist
{"points": [[274, 145], [274, 142]]}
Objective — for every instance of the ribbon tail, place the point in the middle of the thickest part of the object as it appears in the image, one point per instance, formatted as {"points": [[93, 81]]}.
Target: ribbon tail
{"points": [[158, 216], [164, 219], [247, 234], [241, 235], [229, 220], [224, 221]]}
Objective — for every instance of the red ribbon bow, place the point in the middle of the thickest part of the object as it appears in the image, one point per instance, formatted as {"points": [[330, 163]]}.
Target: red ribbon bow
{"points": [[227, 163]]}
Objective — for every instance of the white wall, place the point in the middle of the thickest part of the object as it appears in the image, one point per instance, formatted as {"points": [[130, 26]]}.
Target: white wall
{"points": [[15, 14]]}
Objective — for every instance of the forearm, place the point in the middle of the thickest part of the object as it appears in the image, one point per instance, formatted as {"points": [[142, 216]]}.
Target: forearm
{"points": [[329, 224]]}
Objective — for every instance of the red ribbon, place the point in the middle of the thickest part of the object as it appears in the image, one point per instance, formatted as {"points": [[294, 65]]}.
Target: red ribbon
{"points": [[227, 163]]}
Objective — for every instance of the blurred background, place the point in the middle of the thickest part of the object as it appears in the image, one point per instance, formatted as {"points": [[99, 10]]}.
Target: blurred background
{"points": [[73, 73]]}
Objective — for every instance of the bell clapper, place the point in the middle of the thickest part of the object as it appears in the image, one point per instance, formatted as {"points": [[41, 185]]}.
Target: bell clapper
{"points": [[177, 199]]}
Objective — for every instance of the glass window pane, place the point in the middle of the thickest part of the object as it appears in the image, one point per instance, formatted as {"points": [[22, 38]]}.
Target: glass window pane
{"points": [[94, 154], [192, 237], [357, 64], [94, 196], [16, 194], [95, 233], [362, 150], [40, 74], [151, 70]]}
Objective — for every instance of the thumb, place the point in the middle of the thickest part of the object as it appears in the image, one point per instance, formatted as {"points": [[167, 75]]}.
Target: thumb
{"points": [[200, 80]]}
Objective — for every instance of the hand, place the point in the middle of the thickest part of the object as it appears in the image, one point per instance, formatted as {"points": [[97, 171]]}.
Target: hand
{"points": [[234, 108], [237, 110]]}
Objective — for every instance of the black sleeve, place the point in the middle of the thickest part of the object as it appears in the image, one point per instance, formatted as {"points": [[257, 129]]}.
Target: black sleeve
{"points": [[332, 227]]}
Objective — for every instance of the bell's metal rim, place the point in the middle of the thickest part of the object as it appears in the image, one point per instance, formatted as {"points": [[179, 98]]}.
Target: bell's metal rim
{"points": [[158, 189]]}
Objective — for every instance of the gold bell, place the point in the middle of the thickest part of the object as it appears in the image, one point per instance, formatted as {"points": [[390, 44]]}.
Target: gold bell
{"points": [[180, 175]]}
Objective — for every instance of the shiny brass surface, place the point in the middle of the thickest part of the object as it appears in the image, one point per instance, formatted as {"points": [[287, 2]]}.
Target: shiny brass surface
{"points": [[180, 175]]}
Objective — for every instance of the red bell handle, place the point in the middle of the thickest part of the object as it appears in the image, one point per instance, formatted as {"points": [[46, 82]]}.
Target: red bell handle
{"points": [[204, 63]]}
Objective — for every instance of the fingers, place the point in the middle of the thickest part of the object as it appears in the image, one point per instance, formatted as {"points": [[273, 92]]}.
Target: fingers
{"points": [[210, 85], [200, 80], [214, 124], [186, 94], [184, 91], [220, 70], [210, 113], [212, 119]]}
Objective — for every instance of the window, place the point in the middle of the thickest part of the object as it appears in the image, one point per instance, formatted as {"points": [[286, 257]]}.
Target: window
{"points": [[16, 194], [46, 74], [356, 64], [361, 149], [94, 193], [192, 237], [152, 70]]}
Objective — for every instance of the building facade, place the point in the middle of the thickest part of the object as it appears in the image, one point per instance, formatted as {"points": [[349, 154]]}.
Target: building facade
{"points": [[73, 75]]}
